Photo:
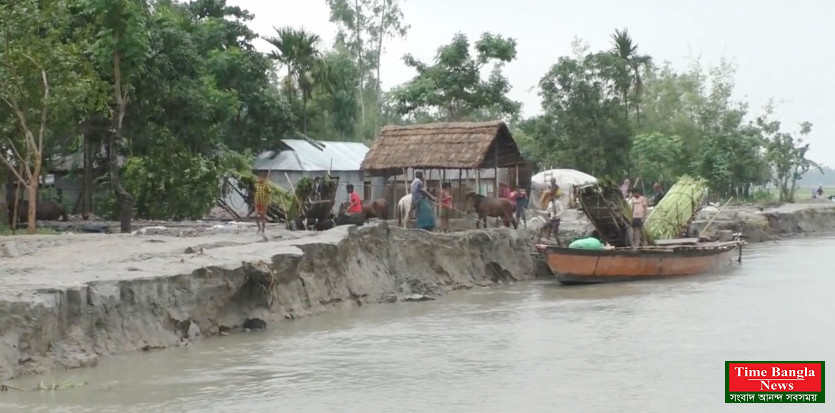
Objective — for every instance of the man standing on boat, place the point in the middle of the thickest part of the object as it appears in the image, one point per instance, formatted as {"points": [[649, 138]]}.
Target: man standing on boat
{"points": [[639, 211], [659, 194], [553, 226]]}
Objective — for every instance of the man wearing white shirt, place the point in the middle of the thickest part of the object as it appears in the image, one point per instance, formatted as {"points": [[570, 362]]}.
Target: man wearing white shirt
{"points": [[554, 212]]}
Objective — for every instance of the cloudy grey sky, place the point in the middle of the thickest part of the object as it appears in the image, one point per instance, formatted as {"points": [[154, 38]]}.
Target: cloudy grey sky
{"points": [[782, 48]]}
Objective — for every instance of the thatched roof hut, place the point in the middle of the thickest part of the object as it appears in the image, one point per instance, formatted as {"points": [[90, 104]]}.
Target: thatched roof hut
{"points": [[466, 145]]}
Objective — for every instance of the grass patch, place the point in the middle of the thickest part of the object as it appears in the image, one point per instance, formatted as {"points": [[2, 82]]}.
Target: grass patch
{"points": [[802, 195]]}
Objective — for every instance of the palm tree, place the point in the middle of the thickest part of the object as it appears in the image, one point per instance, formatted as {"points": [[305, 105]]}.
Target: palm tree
{"points": [[296, 49], [624, 48]]}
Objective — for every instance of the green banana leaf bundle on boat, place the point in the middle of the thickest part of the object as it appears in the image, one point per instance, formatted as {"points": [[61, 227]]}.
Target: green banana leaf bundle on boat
{"points": [[675, 212]]}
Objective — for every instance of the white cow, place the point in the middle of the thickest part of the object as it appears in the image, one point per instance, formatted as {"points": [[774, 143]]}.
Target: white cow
{"points": [[404, 207]]}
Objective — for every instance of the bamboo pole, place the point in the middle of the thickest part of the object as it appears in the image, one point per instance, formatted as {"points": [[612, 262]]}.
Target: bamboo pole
{"points": [[478, 181], [293, 190], [427, 185], [517, 174], [496, 169], [406, 178], [460, 189], [443, 180], [715, 216]]}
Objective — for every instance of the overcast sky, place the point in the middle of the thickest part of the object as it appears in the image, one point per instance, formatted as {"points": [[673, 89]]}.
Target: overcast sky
{"points": [[783, 49]]}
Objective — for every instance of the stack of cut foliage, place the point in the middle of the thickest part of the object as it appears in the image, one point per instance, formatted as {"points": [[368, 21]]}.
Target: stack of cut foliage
{"points": [[609, 213], [304, 188], [282, 205], [676, 210], [316, 206]]}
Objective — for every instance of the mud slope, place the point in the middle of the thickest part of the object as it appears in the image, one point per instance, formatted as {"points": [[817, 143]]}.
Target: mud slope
{"points": [[74, 325]]}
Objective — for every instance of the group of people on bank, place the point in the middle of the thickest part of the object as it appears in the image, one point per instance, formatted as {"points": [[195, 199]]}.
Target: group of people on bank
{"points": [[423, 201]]}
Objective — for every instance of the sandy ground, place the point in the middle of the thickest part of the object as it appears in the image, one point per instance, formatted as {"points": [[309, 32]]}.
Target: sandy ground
{"points": [[160, 249], [157, 249], [55, 261]]}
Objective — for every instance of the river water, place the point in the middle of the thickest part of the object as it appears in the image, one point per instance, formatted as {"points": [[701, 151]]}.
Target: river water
{"points": [[531, 347]]}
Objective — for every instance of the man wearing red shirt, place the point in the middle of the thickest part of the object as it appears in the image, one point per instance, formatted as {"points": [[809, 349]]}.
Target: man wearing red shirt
{"points": [[355, 203]]}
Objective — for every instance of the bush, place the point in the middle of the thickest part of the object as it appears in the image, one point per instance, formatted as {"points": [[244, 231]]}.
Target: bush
{"points": [[105, 206], [762, 196], [171, 183]]}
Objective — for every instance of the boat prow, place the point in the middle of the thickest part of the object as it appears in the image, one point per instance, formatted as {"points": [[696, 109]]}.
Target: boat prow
{"points": [[583, 266]]}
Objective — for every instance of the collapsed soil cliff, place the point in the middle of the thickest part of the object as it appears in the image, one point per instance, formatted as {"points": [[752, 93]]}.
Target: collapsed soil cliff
{"points": [[73, 326], [774, 223]]}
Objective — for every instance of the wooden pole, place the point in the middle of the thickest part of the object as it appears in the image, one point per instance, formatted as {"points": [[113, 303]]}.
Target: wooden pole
{"points": [[517, 174], [426, 185], [715, 216], [496, 169], [406, 179], [460, 189], [478, 181], [293, 190], [443, 180]]}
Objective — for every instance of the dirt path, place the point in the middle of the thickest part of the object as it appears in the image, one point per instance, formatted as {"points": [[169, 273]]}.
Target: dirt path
{"points": [[56, 261]]}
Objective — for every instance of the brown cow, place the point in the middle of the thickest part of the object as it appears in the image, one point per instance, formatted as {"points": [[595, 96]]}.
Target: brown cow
{"points": [[377, 208], [492, 207]]}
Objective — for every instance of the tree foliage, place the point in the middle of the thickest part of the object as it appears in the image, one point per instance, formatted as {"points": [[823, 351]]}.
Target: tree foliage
{"points": [[363, 28], [685, 122], [583, 125], [43, 86], [452, 89], [172, 183], [630, 76], [786, 155], [657, 155], [162, 98], [297, 50]]}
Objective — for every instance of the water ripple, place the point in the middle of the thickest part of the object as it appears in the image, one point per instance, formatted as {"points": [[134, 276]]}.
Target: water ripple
{"points": [[532, 347]]}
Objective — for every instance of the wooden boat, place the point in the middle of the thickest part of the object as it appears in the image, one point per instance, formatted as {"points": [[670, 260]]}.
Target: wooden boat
{"points": [[605, 208], [581, 266]]}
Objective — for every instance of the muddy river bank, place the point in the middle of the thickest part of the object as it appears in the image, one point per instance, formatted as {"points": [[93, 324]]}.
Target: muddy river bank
{"points": [[531, 346], [67, 301]]}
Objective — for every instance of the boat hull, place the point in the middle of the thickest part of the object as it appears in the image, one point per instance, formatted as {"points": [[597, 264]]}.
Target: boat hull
{"points": [[577, 266]]}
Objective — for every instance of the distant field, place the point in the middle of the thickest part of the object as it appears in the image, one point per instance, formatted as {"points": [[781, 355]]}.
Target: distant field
{"points": [[805, 194]]}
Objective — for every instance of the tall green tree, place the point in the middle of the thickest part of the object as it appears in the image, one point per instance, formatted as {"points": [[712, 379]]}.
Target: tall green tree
{"points": [[120, 50], [451, 88], [717, 143], [630, 79], [387, 18], [364, 26], [582, 125], [786, 155], [335, 99], [44, 81], [297, 50], [219, 35]]}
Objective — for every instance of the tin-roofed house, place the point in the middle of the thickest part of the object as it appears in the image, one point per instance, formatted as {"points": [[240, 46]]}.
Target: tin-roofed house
{"points": [[296, 158]]}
